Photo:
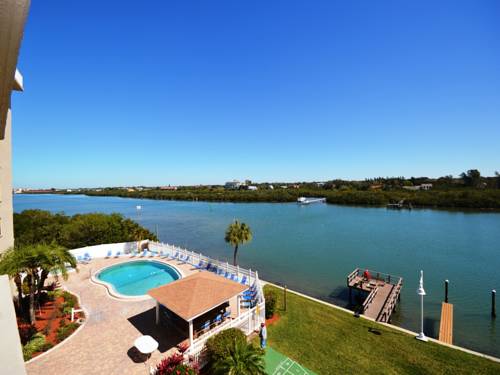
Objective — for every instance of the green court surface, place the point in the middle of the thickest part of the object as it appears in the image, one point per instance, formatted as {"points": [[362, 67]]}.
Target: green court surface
{"points": [[278, 364]]}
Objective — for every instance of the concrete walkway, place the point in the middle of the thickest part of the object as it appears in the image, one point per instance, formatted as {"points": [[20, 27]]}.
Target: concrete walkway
{"points": [[104, 345]]}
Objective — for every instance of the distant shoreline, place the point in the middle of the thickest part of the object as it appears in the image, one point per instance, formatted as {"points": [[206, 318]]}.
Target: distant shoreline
{"points": [[465, 199]]}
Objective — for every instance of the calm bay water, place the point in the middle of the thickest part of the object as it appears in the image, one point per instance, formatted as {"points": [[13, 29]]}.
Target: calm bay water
{"points": [[313, 248]]}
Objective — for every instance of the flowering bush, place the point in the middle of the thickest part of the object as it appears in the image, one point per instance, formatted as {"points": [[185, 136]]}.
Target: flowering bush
{"points": [[173, 366], [184, 370]]}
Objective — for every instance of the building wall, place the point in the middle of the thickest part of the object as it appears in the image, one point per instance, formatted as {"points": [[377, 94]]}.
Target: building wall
{"points": [[11, 356], [6, 226]]}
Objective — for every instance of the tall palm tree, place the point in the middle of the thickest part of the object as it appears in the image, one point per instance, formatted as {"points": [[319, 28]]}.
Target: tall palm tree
{"points": [[237, 234], [243, 359], [35, 262]]}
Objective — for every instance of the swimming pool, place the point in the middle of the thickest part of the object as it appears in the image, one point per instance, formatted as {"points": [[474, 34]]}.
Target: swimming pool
{"points": [[135, 278]]}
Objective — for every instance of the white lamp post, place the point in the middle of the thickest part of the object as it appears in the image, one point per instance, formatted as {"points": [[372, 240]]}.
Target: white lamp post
{"points": [[421, 292]]}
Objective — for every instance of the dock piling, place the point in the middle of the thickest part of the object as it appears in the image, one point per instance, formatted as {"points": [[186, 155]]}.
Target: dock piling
{"points": [[446, 282], [493, 307]]}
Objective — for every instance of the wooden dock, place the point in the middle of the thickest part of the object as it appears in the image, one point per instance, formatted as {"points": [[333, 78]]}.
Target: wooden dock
{"points": [[446, 324], [384, 292]]}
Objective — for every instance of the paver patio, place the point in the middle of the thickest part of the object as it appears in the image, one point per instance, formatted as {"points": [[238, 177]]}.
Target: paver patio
{"points": [[104, 345]]}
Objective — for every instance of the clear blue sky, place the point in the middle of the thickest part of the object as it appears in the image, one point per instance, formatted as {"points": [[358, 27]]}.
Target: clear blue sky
{"points": [[188, 92]]}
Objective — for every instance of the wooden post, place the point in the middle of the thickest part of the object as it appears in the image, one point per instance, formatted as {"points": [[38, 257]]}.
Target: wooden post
{"points": [[446, 291], [493, 307], [284, 296]]}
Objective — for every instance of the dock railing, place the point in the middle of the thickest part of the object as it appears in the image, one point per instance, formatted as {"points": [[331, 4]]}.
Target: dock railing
{"points": [[379, 276], [369, 299], [390, 303]]}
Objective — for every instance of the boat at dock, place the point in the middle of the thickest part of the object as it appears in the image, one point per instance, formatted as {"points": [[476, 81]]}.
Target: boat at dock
{"points": [[304, 200]]}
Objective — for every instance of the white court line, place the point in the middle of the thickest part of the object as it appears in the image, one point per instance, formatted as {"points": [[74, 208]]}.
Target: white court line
{"points": [[283, 368]]}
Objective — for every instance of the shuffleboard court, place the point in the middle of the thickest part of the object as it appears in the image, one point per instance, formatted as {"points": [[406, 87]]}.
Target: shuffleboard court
{"points": [[279, 364]]}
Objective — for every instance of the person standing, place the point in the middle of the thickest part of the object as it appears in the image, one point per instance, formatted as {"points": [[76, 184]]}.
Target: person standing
{"points": [[263, 335]]}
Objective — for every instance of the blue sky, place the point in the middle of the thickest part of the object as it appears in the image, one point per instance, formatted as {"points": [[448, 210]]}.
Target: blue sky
{"points": [[188, 92]]}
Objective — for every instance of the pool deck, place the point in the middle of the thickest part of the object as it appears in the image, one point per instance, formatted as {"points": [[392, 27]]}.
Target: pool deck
{"points": [[105, 343]]}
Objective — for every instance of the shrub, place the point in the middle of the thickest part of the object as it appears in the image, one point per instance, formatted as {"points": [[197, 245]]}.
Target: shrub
{"points": [[69, 299], [36, 344], [66, 330], [218, 346], [172, 365], [184, 370], [271, 298]]}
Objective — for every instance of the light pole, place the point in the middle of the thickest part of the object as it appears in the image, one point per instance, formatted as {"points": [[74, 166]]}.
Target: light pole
{"points": [[421, 292]]}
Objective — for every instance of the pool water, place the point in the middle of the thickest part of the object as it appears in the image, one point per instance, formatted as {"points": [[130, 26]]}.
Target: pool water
{"points": [[135, 278]]}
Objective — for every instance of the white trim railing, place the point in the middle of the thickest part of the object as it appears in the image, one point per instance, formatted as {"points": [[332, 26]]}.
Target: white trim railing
{"points": [[196, 259], [248, 321]]}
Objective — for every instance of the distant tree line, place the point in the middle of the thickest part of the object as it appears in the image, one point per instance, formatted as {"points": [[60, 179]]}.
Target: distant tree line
{"points": [[469, 190], [37, 226]]}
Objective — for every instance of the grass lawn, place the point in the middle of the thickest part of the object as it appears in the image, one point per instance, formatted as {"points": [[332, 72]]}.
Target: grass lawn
{"points": [[331, 341]]}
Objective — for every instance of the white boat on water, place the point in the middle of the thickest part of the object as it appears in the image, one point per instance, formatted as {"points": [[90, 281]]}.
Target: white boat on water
{"points": [[304, 200]]}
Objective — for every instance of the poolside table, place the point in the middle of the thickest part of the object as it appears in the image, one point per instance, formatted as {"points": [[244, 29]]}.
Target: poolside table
{"points": [[146, 344]]}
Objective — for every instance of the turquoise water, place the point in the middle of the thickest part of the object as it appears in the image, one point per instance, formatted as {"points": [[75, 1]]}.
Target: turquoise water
{"points": [[135, 278], [312, 249]]}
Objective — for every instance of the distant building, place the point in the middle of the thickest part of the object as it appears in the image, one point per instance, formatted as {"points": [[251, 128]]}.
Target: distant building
{"points": [[168, 187], [271, 187], [233, 185], [418, 187], [251, 187], [284, 187]]}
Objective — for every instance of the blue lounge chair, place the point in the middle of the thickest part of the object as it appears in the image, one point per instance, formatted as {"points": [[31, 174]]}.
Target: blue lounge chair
{"points": [[187, 259], [200, 265], [226, 314], [133, 253], [220, 272], [108, 255], [234, 277], [176, 255], [227, 275], [151, 254], [161, 254], [81, 259], [247, 304], [206, 325], [87, 257], [218, 319], [244, 280], [118, 253], [144, 253]]}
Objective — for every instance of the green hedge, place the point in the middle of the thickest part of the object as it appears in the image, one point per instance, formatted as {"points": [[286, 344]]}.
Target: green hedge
{"points": [[271, 298], [218, 346]]}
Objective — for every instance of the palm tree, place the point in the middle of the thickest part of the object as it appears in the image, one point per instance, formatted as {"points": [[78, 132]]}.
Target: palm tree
{"points": [[243, 359], [35, 262], [237, 234]]}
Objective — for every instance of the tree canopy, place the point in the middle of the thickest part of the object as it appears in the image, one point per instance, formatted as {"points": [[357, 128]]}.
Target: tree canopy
{"points": [[38, 226], [237, 234]]}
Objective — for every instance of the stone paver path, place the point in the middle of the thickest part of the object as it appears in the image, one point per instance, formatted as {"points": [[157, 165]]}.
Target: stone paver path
{"points": [[104, 345]]}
